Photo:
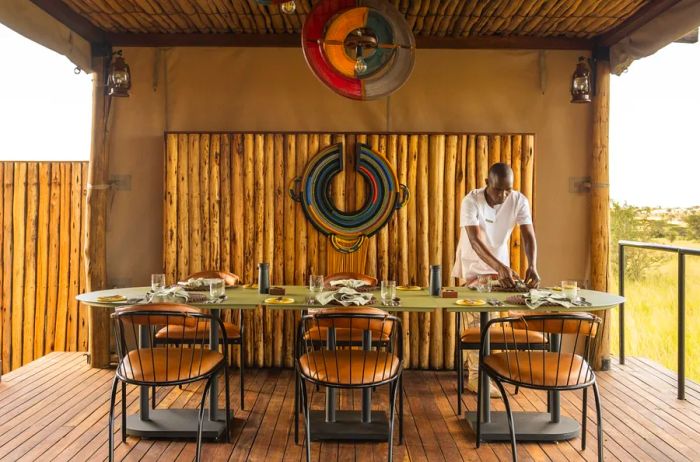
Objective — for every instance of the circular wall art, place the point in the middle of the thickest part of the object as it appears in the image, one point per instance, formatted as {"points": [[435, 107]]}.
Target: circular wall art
{"points": [[362, 49], [348, 230]]}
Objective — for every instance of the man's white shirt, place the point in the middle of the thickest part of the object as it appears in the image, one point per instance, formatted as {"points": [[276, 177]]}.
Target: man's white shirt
{"points": [[496, 224]]}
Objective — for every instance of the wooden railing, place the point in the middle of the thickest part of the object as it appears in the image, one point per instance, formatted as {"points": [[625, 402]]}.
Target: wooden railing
{"points": [[226, 207], [41, 212]]}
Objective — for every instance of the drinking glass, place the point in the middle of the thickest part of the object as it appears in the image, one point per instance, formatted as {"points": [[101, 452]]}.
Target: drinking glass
{"points": [[316, 283], [157, 282], [388, 291], [569, 289], [216, 289], [483, 283]]}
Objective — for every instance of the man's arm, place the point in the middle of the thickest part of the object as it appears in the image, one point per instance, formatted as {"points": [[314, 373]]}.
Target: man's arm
{"points": [[532, 279], [476, 239]]}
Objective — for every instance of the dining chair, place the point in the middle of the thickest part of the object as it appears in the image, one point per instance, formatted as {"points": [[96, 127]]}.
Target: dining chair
{"points": [[235, 332], [468, 338], [150, 365], [350, 367], [564, 369]]}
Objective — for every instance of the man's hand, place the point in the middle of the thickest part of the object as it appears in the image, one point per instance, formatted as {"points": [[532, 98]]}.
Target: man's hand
{"points": [[506, 276], [532, 279]]}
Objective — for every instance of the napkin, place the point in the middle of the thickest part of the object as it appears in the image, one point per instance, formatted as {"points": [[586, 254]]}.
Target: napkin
{"points": [[346, 296], [351, 283], [175, 291], [538, 297], [194, 283]]}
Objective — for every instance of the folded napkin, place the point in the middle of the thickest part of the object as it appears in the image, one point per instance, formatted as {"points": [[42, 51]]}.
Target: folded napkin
{"points": [[346, 296], [194, 283], [351, 283], [537, 298], [174, 291]]}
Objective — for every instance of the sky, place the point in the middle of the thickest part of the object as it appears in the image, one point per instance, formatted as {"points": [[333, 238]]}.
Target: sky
{"points": [[45, 109], [654, 128], [45, 114]]}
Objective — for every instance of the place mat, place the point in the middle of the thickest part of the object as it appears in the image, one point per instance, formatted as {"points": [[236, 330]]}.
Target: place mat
{"points": [[470, 302], [409, 288], [111, 298], [278, 300]]}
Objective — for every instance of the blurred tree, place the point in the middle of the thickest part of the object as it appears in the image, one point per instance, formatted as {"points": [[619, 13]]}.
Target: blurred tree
{"points": [[631, 223], [693, 222]]}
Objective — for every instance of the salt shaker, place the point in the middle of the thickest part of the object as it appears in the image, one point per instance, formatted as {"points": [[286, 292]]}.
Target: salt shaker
{"points": [[263, 278], [435, 280]]}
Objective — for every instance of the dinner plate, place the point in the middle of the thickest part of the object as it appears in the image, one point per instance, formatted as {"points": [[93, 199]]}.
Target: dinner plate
{"points": [[111, 298], [409, 288], [279, 300], [470, 302]]}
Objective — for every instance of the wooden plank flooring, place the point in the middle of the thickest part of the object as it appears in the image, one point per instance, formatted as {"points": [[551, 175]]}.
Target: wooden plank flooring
{"points": [[55, 409]]}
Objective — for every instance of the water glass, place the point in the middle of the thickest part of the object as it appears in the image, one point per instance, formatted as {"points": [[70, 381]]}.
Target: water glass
{"points": [[157, 282], [483, 283], [217, 289], [316, 283], [388, 291], [569, 289]]}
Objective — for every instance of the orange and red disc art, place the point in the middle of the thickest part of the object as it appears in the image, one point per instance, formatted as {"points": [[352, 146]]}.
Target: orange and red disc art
{"points": [[362, 49]]}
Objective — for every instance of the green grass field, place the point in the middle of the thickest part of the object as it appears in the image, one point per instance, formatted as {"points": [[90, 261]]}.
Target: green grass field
{"points": [[651, 314]]}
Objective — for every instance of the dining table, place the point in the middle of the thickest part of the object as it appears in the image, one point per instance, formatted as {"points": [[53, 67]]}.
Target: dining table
{"points": [[365, 424]]}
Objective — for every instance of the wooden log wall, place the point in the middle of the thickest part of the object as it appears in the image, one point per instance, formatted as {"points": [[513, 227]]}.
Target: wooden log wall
{"points": [[41, 217], [227, 207]]}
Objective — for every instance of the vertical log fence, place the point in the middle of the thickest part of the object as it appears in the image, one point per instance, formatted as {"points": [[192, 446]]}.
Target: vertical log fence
{"points": [[226, 207]]}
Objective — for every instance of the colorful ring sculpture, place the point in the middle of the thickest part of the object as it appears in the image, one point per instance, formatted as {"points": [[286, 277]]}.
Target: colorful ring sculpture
{"points": [[333, 39], [348, 230]]}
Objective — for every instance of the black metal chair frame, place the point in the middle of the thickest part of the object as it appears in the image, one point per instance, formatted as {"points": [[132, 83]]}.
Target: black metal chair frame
{"points": [[122, 318], [236, 341], [476, 346], [589, 346], [395, 382]]}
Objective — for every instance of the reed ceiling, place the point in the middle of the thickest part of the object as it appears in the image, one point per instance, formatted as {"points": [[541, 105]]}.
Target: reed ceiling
{"points": [[579, 19]]}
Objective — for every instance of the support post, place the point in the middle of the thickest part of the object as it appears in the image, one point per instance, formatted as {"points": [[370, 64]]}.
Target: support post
{"points": [[600, 203], [94, 251], [621, 287], [681, 325]]}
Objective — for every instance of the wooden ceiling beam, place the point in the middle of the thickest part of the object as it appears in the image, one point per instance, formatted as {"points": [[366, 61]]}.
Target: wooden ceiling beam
{"points": [[642, 16], [294, 40], [74, 21]]}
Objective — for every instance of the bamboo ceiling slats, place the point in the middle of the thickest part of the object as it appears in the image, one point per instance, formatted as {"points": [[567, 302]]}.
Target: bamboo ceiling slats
{"points": [[457, 18], [41, 241], [227, 207]]}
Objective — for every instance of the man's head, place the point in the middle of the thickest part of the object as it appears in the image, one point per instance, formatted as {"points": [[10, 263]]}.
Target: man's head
{"points": [[499, 183]]}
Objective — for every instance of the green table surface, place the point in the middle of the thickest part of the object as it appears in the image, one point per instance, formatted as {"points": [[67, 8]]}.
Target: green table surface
{"points": [[416, 301]]}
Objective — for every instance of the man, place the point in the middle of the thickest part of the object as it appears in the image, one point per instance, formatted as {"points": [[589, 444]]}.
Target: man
{"points": [[487, 218]]}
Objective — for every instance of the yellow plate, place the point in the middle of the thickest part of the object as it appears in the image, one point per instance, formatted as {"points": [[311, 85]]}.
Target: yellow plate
{"points": [[250, 286], [111, 298], [408, 287], [279, 300], [470, 302]]}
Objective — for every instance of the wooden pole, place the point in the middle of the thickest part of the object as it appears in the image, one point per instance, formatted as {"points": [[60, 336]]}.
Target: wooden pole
{"points": [[600, 201], [95, 249]]}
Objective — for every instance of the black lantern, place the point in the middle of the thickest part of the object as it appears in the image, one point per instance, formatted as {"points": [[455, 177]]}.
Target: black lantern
{"points": [[581, 84], [119, 77]]}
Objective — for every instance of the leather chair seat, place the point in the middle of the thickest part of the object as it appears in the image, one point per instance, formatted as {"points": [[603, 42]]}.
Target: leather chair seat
{"points": [[349, 367], [160, 365], [540, 369], [202, 332], [521, 337], [342, 334]]}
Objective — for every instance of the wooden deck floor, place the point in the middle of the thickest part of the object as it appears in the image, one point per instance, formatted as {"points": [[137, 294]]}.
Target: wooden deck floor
{"points": [[56, 408]]}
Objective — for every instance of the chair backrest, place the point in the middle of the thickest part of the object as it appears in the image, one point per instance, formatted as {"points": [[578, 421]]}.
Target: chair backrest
{"points": [[230, 279], [351, 365], [563, 362], [188, 355], [372, 281]]}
